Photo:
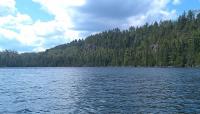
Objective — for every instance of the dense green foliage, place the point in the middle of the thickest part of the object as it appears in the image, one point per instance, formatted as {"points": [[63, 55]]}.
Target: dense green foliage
{"points": [[167, 43]]}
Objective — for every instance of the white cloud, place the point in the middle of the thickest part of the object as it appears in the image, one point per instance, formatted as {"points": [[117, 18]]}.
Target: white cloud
{"points": [[39, 49], [38, 34], [11, 23], [34, 34], [14, 22], [157, 12], [61, 9], [176, 2], [17, 26], [7, 33], [7, 6]]}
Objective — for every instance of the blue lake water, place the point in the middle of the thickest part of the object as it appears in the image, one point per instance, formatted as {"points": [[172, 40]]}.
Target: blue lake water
{"points": [[99, 90]]}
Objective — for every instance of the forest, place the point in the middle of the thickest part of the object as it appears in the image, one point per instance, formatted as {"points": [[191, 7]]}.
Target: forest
{"points": [[168, 43]]}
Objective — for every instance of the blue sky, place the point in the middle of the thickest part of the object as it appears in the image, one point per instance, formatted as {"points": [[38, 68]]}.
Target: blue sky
{"points": [[35, 25]]}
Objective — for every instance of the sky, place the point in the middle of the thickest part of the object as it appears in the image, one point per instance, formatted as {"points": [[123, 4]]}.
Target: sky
{"points": [[36, 25]]}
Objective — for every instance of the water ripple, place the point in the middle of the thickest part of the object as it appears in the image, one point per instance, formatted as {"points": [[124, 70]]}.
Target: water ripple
{"points": [[99, 90]]}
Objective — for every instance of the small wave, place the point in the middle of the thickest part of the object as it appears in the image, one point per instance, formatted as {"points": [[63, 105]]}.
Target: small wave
{"points": [[24, 111], [19, 101]]}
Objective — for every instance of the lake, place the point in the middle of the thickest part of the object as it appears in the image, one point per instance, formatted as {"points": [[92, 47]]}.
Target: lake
{"points": [[101, 90]]}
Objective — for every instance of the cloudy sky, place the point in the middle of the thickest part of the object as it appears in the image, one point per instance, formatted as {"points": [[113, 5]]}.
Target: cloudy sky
{"points": [[35, 25]]}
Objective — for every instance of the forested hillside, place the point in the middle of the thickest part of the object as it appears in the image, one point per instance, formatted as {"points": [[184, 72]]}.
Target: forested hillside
{"points": [[166, 43]]}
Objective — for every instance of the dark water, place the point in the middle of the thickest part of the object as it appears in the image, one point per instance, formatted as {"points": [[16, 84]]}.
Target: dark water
{"points": [[99, 90]]}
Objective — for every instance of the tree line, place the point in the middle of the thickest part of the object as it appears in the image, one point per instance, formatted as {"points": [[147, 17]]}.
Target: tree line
{"points": [[165, 43]]}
